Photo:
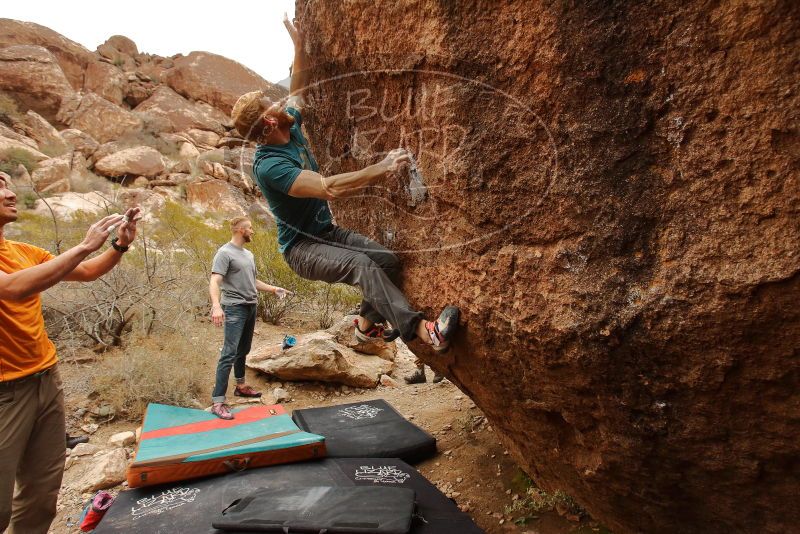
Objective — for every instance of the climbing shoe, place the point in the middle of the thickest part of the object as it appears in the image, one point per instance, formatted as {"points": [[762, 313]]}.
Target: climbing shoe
{"points": [[442, 329], [417, 377], [74, 440], [221, 410], [246, 391], [376, 332]]}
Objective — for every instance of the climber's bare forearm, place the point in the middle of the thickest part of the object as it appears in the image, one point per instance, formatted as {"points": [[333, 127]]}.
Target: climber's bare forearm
{"points": [[310, 184], [299, 75]]}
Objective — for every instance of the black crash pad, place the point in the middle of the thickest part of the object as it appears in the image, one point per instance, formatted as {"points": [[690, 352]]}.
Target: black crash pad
{"points": [[191, 506], [369, 510], [369, 429]]}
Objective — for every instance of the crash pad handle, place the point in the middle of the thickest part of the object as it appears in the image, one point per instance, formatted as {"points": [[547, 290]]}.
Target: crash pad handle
{"points": [[237, 465]]}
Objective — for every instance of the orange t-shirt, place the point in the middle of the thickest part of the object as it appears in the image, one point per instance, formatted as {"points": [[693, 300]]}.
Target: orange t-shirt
{"points": [[24, 346]]}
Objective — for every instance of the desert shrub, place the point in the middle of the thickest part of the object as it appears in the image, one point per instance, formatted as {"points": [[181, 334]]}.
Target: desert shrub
{"points": [[53, 149], [164, 372], [163, 281], [148, 136], [180, 230], [536, 501], [274, 270], [11, 158], [86, 181], [151, 290], [27, 198], [333, 300]]}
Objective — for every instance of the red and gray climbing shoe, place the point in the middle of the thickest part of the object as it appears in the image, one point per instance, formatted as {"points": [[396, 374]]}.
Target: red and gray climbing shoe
{"points": [[246, 391], [441, 330], [221, 410], [376, 332]]}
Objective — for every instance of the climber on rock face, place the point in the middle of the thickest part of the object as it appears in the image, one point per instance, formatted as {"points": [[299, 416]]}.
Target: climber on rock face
{"points": [[312, 245]]}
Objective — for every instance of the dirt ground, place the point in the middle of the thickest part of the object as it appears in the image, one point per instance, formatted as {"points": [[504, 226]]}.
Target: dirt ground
{"points": [[471, 465]]}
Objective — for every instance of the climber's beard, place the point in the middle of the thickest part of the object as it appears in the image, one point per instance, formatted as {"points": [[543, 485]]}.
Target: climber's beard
{"points": [[282, 118], [285, 120]]}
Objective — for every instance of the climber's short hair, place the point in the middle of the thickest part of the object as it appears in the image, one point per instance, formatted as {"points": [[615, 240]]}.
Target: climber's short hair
{"points": [[246, 115], [236, 221], [5, 178]]}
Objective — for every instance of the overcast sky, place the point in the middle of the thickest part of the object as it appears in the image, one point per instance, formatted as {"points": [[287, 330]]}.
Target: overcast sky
{"points": [[251, 32]]}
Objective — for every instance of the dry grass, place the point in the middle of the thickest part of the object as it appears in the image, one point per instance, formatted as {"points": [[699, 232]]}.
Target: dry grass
{"points": [[166, 371]]}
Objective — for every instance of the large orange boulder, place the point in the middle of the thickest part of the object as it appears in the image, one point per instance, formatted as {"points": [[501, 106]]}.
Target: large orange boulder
{"points": [[610, 192], [120, 44], [47, 138], [180, 113], [52, 175], [215, 197], [134, 161], [33, 77], [72, 57], [216, 80], [107, 81], [99, 118]]}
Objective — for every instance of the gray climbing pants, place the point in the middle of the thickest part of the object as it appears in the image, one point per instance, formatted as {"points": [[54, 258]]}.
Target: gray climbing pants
{"points": [[340, 255]]}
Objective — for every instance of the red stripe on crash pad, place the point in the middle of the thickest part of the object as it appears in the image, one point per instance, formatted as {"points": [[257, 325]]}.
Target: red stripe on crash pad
{"points": [[242, 417]]}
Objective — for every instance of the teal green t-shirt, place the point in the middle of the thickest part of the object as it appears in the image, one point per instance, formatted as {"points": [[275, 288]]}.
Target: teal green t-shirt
{"points": [[276, 168]]}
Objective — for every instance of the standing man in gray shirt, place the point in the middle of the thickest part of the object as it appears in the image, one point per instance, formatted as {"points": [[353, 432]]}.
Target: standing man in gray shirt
{"points": [[234, 295]]}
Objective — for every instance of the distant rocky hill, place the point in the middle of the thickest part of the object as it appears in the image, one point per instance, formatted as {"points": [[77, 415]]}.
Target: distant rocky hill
{"points": [[71, 120]]}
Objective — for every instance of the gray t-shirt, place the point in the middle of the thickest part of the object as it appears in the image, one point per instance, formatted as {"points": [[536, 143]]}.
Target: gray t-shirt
{"points": [[238, 269]]}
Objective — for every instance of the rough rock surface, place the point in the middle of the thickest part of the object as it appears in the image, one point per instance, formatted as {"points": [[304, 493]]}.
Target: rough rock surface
{"points": [[72, 57], [33, 77], [215, 196], [85, 449], [106, 470], [107, 81], [99, 118], [7, 144], [203, 137], [181, 114], [122, 439], [614, 192], [138, 161], [66, 205], [80, 141], [52, 175], [46, 136], [119, 50], [317, 356], [216, 80], [8, 133], [343, 334]]}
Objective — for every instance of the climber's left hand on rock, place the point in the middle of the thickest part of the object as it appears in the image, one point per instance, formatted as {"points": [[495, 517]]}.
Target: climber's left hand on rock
{"points": [[293, 27]]}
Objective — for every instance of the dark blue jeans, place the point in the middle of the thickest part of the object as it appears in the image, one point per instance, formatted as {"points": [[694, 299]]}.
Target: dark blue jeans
{"points": [[240, 321]]}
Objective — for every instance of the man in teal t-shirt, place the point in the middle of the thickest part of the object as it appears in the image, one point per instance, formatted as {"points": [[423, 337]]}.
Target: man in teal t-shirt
{"points": [[278, 166], [315, 248]]}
